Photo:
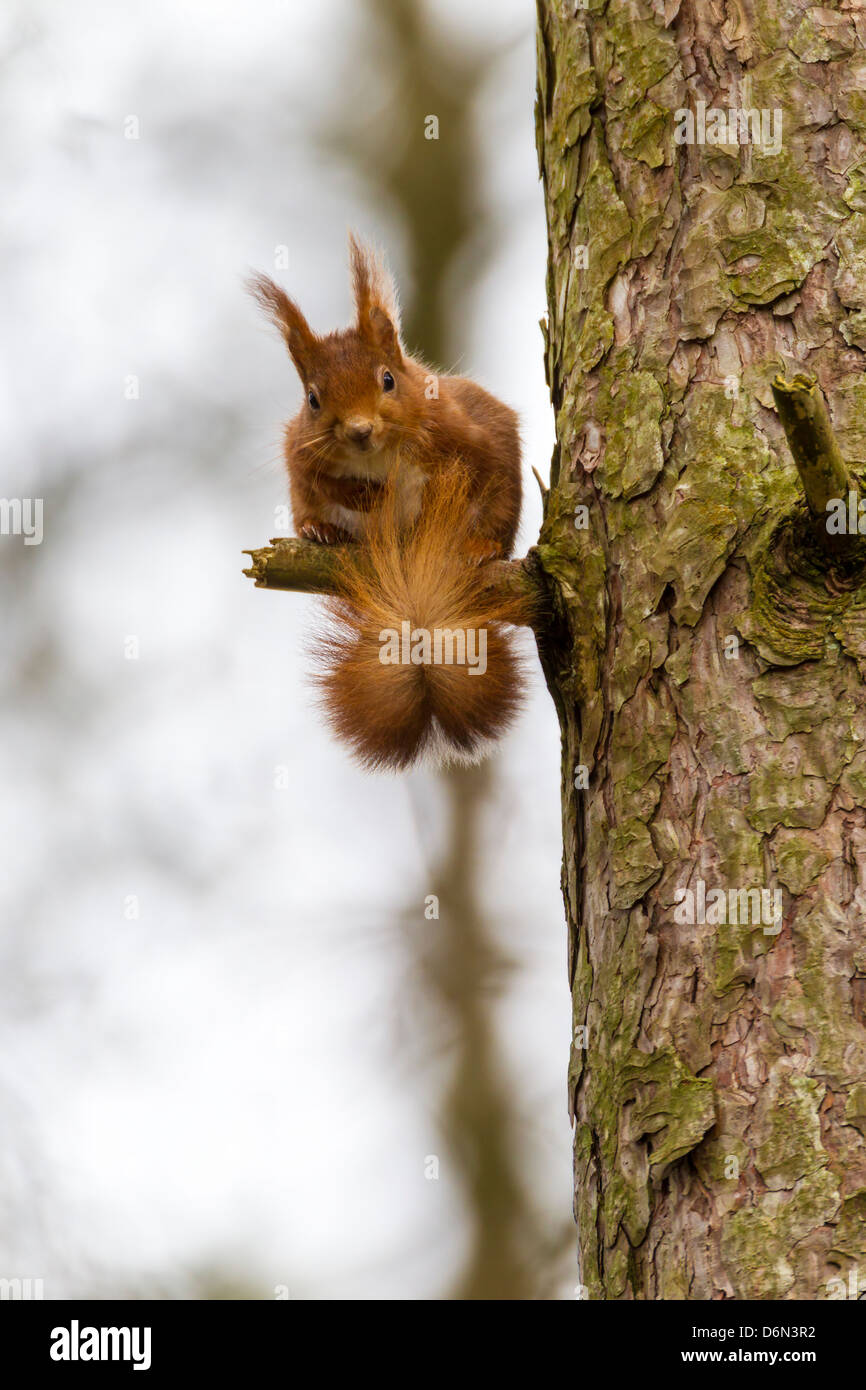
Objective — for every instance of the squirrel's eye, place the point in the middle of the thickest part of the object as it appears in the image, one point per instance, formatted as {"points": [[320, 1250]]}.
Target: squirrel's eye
{"points": [[313, 399], [387, 382]]}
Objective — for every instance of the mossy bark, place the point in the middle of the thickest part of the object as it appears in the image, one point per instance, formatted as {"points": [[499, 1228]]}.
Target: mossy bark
{"points": [[707, 657]]}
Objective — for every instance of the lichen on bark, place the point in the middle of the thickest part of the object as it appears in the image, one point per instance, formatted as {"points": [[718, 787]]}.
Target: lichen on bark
{"points": [[705, 657]]}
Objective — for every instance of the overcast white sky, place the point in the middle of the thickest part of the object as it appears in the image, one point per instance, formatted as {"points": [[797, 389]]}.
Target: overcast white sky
{"points": [[230, 1079]]}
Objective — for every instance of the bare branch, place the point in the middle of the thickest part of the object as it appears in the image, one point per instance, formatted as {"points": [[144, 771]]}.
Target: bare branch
{"points": [[541, 483], [306, 567], [303, 566]]}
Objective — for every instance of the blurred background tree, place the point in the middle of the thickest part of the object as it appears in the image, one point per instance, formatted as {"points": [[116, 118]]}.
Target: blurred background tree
{"points": [[420, 154], [229, 1033]]}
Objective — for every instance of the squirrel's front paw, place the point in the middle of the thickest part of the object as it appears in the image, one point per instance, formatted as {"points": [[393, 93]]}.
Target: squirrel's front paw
{"points": [[323, 533]]}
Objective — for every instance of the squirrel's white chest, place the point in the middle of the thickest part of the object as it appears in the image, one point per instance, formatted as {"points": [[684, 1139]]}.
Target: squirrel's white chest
{"points": [[410, 481]]}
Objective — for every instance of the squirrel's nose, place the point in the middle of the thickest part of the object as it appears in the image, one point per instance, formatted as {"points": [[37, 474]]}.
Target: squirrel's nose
{"points": [[359, 430]]}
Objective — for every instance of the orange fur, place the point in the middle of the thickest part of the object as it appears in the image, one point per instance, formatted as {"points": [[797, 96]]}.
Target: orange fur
{"points": [[392, 715], [423, 470]]}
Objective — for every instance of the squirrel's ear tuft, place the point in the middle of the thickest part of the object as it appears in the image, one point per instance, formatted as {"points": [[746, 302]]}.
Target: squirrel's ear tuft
{"points": [[285, 315], [375, 298]]}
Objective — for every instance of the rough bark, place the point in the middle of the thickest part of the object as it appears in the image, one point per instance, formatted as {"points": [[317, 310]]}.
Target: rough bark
{"points": [[708, 656]]}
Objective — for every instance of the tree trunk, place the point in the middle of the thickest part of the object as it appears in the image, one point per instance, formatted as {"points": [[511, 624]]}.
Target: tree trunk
{"points": [[708, 648]]}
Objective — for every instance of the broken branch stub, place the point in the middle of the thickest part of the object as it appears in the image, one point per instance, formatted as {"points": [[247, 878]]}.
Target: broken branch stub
{"points": [[823, 472]]}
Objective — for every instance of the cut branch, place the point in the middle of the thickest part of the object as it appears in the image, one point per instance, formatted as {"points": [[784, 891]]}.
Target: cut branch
{"points": [[306, 567], [303, 566], [809, 431]]}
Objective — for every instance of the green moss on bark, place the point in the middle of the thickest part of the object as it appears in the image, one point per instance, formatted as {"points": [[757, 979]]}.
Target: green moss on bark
{"points": [[706, 661]]}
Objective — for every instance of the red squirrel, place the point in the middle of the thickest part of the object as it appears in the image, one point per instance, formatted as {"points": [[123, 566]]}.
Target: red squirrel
{"points": [[422, 470]]}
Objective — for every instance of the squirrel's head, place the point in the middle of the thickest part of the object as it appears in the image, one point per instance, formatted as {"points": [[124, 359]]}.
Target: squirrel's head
{"points": [[358, 393]]}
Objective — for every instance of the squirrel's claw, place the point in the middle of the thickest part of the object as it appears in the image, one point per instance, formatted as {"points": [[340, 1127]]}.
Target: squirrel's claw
{"points": [[479, 550], [323, 533]]}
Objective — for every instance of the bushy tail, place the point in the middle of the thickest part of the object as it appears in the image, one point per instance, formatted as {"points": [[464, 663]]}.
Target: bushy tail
{"points": [[417, 660]]}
